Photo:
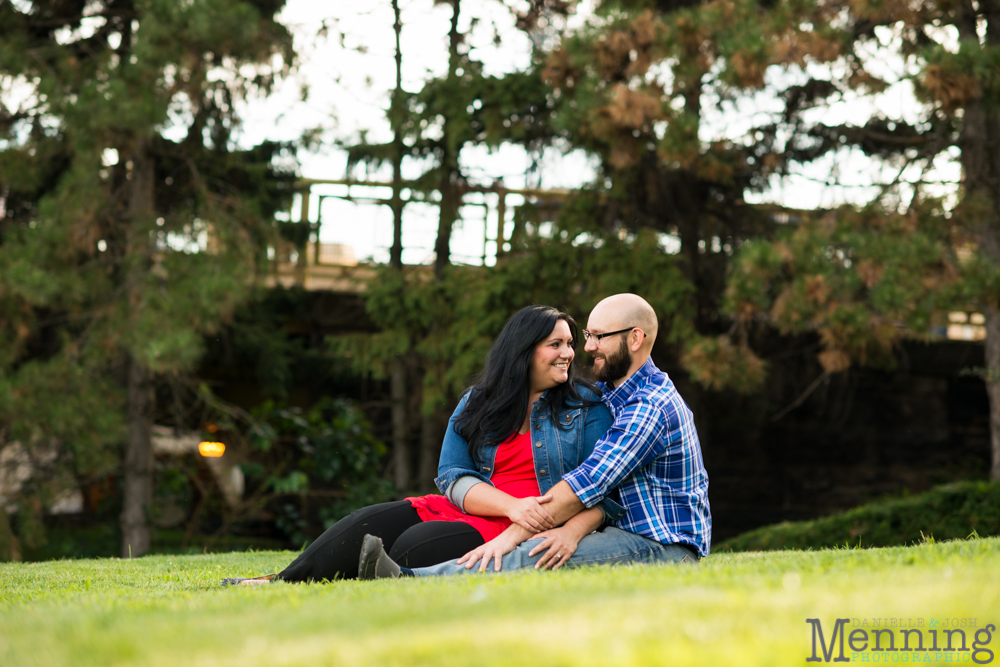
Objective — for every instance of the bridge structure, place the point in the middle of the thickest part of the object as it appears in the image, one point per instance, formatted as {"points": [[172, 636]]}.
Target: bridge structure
{"points": [[303, 260]]}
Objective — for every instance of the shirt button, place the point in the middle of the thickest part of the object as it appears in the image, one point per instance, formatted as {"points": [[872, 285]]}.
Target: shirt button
{"points": [[538, 444], [543, 472], [538, 426]]}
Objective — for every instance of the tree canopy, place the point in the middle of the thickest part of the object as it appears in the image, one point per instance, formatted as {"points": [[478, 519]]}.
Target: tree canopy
{"points": [[134, 225]]}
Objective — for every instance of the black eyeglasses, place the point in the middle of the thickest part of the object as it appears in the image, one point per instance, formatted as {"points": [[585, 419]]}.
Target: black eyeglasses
{"points": [[596, 336]]}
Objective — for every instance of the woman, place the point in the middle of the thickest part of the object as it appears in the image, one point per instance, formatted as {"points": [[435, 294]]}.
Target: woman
{"points": [[493, 469]]}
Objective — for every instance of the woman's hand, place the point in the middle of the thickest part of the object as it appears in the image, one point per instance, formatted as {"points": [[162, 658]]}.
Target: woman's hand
{"points": [[561, 544], [529, 513], [495, 549]]}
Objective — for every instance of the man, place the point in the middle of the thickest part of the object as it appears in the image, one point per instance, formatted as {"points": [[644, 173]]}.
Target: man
{"points": [[650, 456]]}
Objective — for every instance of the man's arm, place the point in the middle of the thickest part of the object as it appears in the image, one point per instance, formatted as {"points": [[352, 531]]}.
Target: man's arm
{"points": [[633, 441], [564, 504]]}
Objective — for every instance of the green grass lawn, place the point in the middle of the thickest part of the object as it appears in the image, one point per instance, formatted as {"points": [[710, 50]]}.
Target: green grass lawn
{"points": [[732, 609]]}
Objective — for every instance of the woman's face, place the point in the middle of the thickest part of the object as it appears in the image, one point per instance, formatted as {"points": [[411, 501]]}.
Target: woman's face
{"points": [[550, 365]]}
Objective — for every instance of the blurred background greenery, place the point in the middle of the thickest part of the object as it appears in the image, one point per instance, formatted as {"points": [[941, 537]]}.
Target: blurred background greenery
{"points": [[156, 292]]}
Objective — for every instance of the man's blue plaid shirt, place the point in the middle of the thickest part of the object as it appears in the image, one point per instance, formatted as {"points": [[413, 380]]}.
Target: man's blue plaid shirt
{"points": [[652, 455]]}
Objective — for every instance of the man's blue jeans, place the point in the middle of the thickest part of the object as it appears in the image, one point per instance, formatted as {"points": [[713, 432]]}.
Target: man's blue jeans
{"points": [[612, 546]]}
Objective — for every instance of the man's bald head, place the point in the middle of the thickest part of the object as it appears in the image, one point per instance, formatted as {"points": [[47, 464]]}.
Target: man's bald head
{"points": [[626, 310]]}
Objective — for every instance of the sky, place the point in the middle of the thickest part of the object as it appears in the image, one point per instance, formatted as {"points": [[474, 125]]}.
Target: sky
{"points": [[348, 79]]}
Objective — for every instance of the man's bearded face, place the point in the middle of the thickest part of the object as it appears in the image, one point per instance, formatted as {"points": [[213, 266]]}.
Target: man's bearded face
{"points": [[616, 363]]}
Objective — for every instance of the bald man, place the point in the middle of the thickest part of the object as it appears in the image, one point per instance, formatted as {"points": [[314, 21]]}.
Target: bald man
{"points": [[649, 461]]}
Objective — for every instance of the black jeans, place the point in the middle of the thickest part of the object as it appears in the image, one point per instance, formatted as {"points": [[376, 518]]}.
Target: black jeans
{"points": [[408, 540]]}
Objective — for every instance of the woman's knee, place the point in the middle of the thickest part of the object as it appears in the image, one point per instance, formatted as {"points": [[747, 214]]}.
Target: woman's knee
{"points": [[430, 543]]}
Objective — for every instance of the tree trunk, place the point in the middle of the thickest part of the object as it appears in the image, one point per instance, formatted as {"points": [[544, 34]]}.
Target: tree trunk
{"points": [[396, 117], [993, 386], [688, 202], [980, 144], [430, 451], [449, 183], [10, 546], [138, 495], [449, 213], [400, 443]]}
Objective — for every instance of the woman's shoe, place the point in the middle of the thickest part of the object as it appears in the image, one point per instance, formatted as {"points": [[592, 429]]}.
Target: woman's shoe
{"points": [[374, 562]]}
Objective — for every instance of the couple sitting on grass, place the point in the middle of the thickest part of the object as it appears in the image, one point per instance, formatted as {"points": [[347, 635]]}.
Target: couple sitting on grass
{"points": [[542, 469]]}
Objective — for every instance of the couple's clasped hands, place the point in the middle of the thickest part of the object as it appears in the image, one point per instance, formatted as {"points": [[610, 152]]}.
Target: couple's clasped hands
{"points": [[530, 513], [529, 520]]}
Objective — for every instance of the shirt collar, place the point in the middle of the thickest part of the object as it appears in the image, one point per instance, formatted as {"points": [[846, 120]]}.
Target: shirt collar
{"points": [[620, 394]]}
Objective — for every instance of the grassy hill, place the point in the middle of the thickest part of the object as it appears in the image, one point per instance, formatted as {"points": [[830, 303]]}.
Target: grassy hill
{"points": [[951, 511], [732, 609]]}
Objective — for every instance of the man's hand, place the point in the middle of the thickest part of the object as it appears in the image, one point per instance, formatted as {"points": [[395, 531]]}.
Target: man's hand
{"points": [[564, 504], [496, 548], [530, 515], [561, 544]]}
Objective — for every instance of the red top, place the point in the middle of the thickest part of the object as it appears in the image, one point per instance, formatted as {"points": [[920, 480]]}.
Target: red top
{"points": [[514, 473]]}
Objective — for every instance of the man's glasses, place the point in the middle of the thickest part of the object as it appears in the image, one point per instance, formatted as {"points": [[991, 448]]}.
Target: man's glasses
{"points": [[598, 336]]}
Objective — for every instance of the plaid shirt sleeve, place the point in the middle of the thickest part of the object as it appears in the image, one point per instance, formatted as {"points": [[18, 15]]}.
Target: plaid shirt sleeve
{"points": [[634, 440]]}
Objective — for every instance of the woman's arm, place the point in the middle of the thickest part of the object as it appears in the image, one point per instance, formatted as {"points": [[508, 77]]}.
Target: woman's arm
{"points": [[457, 472], [487, 500]]}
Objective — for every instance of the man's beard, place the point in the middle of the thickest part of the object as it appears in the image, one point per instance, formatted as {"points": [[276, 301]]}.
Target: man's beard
{"points": [[616, 364]]}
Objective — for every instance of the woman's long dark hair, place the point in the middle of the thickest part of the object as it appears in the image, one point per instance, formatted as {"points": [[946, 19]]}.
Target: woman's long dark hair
{"points": [[498, 400]]}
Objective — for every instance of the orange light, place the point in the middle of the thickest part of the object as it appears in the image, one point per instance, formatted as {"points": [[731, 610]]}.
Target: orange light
{"points": [[211, 428], [211, 449]]}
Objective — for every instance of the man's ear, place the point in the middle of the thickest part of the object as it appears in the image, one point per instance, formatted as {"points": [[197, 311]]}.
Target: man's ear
{"points": [[636, 340]]}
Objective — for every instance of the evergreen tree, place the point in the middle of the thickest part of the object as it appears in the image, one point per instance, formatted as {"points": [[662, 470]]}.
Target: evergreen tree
{"points": [[632, 86], [635, 86], [895, 266], [431, 127], [132, 226]]}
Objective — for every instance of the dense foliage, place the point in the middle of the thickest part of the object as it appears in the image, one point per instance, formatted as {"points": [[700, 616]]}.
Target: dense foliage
{"points": [[862, 279], [643, 86], [131, 225], [326, 455], [132, 229], [949, 512]]}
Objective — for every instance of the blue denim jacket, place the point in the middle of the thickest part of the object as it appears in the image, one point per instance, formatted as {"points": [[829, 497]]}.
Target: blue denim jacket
{"points": [[556, 450]]}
